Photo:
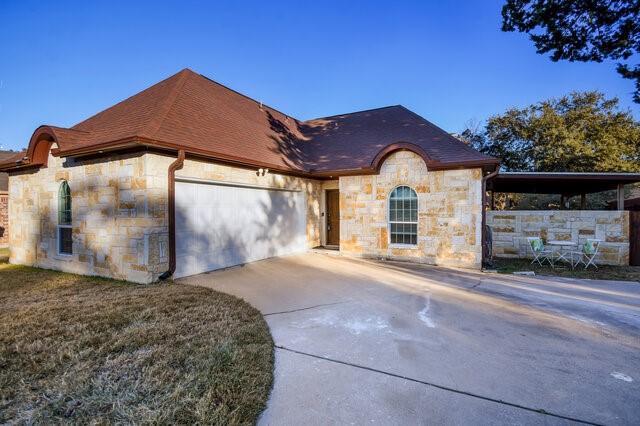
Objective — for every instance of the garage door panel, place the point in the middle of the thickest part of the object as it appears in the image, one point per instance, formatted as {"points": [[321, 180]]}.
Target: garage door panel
{"points": [[219, 226]]}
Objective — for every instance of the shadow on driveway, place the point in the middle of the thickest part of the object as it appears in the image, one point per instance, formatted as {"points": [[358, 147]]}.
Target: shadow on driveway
{"points": [[361, 341]]}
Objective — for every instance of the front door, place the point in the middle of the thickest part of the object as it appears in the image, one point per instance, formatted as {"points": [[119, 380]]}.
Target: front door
{"points": [[634, 238], [333, 217]]}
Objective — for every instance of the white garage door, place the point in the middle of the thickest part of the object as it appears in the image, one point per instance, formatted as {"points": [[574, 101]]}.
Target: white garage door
{"points": [[219, 226]]}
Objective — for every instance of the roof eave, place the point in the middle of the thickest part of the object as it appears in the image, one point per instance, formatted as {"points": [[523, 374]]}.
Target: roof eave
{"points": [[433, 166]]}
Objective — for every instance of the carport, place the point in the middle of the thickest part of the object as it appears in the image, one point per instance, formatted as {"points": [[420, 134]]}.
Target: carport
{"points": [[568, 185], [565, 184]]}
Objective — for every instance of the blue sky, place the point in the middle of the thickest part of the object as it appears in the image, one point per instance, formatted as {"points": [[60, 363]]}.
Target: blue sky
{"points": [[63, 61]]}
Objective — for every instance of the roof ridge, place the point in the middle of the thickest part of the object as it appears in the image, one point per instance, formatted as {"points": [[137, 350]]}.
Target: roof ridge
{"points": [[154, 125], [354, 112], [247, 96], [435, 126], [65, 128]]}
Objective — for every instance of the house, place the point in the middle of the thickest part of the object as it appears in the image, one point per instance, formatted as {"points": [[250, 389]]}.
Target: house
{"points": [[189, 176], [4, 200]]}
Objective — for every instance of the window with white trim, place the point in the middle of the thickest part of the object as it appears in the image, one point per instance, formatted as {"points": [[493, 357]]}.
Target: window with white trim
{"points": [[403, 216], [65, 241]]}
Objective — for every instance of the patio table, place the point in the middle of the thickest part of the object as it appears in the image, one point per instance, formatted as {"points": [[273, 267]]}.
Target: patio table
{"points": [[563, 249]]}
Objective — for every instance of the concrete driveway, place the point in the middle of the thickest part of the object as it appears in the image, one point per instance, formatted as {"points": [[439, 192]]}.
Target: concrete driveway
{"points": [[390, 343]]}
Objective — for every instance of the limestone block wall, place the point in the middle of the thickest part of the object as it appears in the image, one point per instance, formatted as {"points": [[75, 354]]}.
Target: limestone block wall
{"points": [[114, 218], [449, 213], [510, 229], [119, 212]]}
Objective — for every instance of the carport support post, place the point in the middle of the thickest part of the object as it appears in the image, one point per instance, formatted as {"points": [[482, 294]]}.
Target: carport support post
{"points": [[583, 201], [620, 197], [485, 255]]}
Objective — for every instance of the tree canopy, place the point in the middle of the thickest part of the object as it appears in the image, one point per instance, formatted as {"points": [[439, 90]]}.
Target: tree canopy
{"points": [[580, 132], [592, 30]]}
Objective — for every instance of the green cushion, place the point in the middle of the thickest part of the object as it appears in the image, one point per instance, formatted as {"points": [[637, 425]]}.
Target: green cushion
{"points": [[589, 247], [536, 245]]}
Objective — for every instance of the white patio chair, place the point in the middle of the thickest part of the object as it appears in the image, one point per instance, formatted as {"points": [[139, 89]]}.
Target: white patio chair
{"points": [[588, 253], [540, 253]]}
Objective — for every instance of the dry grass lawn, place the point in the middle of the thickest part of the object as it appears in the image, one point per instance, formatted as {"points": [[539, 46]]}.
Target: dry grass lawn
{"points": [[75, 349]]}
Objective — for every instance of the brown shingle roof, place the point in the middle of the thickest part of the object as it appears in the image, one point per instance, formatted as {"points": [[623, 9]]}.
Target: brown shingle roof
{"points": [[194, 113], [7, 156], [352, 141]]}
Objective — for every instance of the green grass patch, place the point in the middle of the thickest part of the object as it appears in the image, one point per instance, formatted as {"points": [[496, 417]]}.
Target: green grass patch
{"points": [[4, 255], [77, 349], [604, 272]]}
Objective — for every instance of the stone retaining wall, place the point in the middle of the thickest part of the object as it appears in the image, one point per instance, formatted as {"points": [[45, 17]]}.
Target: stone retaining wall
{"points": [[510, 229]]}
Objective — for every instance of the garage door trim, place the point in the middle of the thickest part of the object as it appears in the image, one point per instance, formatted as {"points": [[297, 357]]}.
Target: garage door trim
{"points": [[234, 184]]}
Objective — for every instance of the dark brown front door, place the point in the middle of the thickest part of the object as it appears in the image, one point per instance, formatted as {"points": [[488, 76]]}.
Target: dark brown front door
{"points": [[333, 217], [634, 238]]}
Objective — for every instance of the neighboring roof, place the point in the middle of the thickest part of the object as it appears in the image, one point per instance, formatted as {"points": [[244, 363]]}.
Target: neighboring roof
{"points": [[558, 183], [191, 112], [6, 156]]}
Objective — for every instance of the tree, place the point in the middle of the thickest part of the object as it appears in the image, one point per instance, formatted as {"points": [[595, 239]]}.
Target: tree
{"points": [[584, 31], [581, 132]]}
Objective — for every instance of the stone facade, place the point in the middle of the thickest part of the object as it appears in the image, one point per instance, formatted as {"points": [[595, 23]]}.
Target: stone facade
{"points": [[119, 212], [4, 219], [449, 213], [120, 220], [511, 228], [115, 219]]}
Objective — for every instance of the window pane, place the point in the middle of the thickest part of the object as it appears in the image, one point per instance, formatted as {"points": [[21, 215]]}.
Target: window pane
{"points": [[65, 242], [403, 208], [64, 204]]}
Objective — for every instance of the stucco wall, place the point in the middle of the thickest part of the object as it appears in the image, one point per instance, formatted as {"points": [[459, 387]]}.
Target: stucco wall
{"points": [[119, 210], [449, 213], [511, 228]]}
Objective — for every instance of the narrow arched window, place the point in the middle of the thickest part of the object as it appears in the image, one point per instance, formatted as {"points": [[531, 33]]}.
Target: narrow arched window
{"points": [[65, 243], [403, 216]]}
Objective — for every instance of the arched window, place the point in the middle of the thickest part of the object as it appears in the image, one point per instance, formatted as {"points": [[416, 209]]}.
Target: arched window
{"points": [[65, 243], [403, 216]]}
